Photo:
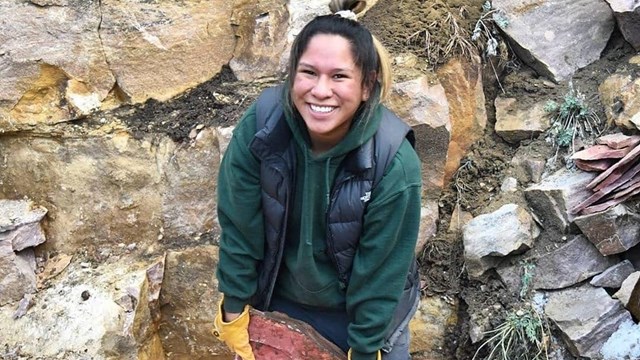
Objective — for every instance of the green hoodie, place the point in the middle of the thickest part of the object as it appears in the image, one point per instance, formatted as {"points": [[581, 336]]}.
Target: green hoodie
{"points": [[307, 275]]}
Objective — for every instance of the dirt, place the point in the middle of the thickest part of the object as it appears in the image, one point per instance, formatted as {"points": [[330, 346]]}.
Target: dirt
{"points": [[220, 101], [434, 31]]}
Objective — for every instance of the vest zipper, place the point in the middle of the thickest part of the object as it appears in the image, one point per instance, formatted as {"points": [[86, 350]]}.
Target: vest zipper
{"points": [[281, 240]]}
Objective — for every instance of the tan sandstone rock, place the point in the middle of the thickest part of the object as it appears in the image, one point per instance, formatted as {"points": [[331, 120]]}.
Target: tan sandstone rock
{"points": [[462, 84]]}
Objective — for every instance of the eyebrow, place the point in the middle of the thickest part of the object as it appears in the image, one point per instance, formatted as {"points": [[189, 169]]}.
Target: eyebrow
{"points": [[303, 64]]}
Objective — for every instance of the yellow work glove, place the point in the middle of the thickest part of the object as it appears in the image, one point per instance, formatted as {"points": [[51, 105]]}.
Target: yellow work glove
{"points": [[378, 357], [234, 333]]}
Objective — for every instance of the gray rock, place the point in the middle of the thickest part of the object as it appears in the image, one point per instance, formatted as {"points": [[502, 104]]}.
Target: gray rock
{"points": [[509, 185], [490, 237], [612, 231], [613, 276], [25, 236], [551, 199], [633, 305], [532, 168], [627, 13], [556, 37], [575, 261], [513, 277], [17, 274], [624, 293], [587, 317], [16, 213]]}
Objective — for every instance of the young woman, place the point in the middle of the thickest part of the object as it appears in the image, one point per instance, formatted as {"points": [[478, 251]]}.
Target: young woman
{"points": [[319, 204]]}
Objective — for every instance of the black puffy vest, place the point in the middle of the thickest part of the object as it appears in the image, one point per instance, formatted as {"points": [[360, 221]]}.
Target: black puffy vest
{"points": [[359, 172]]}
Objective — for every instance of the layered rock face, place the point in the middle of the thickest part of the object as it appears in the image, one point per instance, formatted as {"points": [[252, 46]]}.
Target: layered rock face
{"points": [[127, 268]]}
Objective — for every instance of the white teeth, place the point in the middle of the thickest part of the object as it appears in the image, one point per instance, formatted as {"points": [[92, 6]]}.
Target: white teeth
{"points": [[322, 109]]}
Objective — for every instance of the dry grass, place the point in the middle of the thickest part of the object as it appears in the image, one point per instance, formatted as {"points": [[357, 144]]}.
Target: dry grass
{"points": [[458, 181], [437, 51]]}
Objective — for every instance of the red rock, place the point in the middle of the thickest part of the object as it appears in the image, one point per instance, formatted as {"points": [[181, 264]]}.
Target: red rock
{"points": [[612, 202], [594, 165], [275, 336], [624, 162], [579, 209], [597, 152], [634, 301], [619, 140], [618, 178], [629, 187]]}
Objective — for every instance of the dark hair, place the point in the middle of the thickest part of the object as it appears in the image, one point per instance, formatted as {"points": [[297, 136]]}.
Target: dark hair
{"points": [[367, 53]]}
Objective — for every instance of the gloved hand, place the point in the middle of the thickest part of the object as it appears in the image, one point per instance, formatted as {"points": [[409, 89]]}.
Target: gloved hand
{"points": [[234, 333], [378, 356]]}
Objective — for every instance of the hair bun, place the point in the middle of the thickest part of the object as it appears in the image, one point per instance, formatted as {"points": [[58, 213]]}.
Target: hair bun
{"points": [[347, 14], [356, 6]]}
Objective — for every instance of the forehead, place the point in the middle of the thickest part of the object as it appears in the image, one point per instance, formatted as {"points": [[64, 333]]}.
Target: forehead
{"points": [[328, 49]]}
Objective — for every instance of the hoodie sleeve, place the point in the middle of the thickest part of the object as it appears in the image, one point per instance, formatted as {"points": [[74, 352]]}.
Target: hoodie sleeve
{"points": [[384, 254], [240, 217]]}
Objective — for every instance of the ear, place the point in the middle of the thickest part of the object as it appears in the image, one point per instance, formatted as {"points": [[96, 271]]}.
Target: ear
{"points": [[366, 91]]}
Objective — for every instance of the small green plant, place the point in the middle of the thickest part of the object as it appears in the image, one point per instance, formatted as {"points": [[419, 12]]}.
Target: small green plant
{"points": [[571, 119], [527, 277], [523, 335]]}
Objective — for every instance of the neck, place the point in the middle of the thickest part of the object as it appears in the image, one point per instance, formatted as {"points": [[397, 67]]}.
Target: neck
{"points": [[319, 146]]}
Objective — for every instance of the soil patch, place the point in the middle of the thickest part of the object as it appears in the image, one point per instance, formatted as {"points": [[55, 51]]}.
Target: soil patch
{"points": [[435, 30], [220, 101]]}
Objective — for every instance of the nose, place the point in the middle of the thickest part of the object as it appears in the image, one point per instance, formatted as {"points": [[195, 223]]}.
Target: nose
{"points": [[322, 88]]}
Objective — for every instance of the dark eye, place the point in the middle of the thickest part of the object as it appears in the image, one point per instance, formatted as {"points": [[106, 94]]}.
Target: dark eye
{"points": [[306, 71], [340, 76]]}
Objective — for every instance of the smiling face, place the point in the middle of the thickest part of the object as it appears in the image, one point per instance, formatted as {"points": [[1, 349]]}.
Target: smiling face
{"points": [[327, 90]]}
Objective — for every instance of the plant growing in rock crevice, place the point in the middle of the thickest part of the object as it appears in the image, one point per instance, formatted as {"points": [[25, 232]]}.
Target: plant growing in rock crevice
{"points": [[485, 29], [524, 333], [487, 37], [527, 278], [571, 119]]}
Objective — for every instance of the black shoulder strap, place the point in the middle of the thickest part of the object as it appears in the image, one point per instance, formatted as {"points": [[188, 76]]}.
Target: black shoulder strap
{"points": [[388, 139], [269, 106]]}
